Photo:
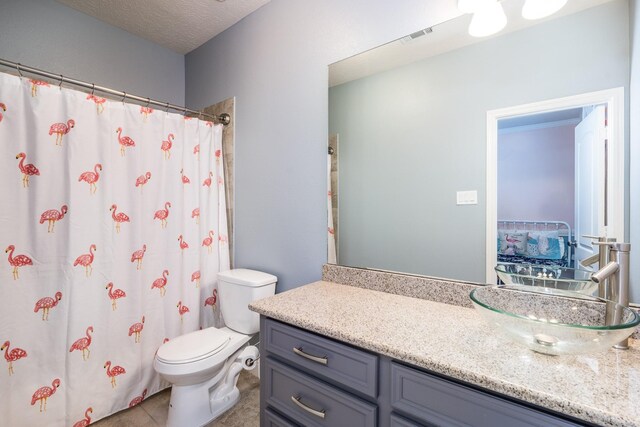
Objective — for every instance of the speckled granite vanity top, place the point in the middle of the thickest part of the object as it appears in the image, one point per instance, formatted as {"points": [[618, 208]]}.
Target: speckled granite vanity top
{"points": [[454, 341]]}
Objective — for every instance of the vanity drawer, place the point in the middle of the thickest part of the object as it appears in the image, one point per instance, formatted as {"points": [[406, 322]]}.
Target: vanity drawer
{"points": [[311, 402], [338, 363], [275, 420], [440, 402]]}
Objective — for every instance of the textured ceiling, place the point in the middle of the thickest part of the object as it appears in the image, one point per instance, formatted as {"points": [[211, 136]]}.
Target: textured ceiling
{"points": [[180, 25]]}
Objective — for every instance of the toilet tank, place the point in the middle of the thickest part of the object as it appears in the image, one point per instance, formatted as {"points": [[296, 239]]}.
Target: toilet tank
{"points": [[237, 289]]}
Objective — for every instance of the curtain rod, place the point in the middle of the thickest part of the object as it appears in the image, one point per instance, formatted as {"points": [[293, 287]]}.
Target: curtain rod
{"points": [[223, 118]]}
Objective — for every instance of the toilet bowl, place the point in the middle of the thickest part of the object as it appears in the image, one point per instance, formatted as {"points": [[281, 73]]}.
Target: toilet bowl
{"points": [[203, 366]]}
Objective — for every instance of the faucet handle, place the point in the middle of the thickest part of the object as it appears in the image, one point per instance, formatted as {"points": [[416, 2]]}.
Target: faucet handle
{"points": [[600, 240]]}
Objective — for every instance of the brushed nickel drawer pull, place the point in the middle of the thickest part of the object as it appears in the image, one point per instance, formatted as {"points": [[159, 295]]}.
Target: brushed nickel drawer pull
{"points": [[317, 359], [319, 414]]}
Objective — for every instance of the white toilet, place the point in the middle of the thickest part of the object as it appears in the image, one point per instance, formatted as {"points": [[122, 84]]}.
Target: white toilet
{"points": [[204, 365]]}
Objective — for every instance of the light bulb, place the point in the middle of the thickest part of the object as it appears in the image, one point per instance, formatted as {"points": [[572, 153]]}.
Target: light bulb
{"points": [[488, 20], [536, 9]]}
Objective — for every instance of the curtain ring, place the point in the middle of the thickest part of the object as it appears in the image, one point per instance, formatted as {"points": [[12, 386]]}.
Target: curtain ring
{"points": [[93, 88], [19, 71], [148, 102], [60, 84], [167, 108], [200, 115], [124, 96]]}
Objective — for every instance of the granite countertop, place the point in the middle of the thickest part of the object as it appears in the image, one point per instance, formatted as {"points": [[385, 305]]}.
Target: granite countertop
{"points": [[455, 341]]}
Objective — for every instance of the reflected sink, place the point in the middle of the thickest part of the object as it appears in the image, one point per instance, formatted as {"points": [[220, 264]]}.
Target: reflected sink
{"points": [[550, 323], [552, 278]]}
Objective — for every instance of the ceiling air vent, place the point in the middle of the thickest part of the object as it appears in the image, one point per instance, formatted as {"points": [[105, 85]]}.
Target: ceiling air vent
{"points": [[411, 37]]}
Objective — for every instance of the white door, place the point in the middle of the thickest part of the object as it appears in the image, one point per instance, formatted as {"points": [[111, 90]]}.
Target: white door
{"points": [[590, 158]]}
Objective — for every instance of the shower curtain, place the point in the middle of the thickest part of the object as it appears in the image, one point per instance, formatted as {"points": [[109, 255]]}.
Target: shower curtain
{"points": [[114, 227]]}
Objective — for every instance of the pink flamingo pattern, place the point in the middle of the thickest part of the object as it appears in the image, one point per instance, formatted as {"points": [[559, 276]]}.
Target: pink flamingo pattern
{"points": [[142, 180], [220, 181], [53, 215], [223, 239], [207, 181], [114, 295], [27, 170], [208, 241], [61, 129], [212, 300], [136, 330], [113, 372], [138, 256], [98, 101], [196, 151], [138, 399], [43, 393], [185, 179], [47, 303], [86, 420], [13, 355], [145, 111], [218, 153], [161, 283], [91, 178], [86, 261], [182, 310], [183, 245], [124, 142], [163, 214], [82, 344], [118, 218], [196, 214], [195, 277], [35, 84], [17, 261], [166, 146], [3, 108]]}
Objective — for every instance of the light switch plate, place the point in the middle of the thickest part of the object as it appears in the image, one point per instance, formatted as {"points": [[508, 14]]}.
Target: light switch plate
{"points": [[467, 197]]}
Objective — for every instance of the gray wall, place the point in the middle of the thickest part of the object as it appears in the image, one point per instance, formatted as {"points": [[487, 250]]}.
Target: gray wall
{"points": [[275, 63], [411, 137], [45, 34]]}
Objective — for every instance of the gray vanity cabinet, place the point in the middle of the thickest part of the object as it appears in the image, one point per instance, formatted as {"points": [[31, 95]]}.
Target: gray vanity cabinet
{"points": [[311, 380]]}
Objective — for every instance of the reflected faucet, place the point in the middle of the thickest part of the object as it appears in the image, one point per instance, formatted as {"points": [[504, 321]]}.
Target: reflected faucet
{"points": [[614, 278], [602, 258]]}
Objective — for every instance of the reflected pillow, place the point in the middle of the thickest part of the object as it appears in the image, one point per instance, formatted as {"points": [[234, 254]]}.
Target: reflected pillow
{"points": [[546, 245], [513, 242]]}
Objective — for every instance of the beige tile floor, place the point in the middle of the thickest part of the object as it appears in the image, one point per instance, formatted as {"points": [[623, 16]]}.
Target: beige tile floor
{"points": [[153, 411]]}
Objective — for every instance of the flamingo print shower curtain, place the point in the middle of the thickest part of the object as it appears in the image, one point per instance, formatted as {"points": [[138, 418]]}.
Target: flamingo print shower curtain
{"points": [[113, 225]]}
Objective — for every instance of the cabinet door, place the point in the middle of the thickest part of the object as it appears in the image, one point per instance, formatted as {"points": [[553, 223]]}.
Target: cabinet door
{"points": [[348, 367], [276, 420], [311, 402], [398, 421], [441, 402]]}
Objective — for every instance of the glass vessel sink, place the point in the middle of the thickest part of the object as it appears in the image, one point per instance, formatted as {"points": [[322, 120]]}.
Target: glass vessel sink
{"points": [[552, 278], [551, 324]]}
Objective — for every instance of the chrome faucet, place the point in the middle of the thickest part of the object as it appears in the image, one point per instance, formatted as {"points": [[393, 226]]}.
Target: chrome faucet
{"points": [[614, 277], [602, 258]]}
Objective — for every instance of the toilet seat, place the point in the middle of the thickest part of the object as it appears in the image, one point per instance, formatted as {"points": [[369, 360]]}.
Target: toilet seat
{"points": [[194, 346]]}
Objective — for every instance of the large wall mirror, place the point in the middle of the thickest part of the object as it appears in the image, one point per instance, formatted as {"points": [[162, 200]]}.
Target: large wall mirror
{"points": [[439, 141]]}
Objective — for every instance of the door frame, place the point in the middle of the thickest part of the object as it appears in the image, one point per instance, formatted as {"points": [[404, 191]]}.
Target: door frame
{"points": [[614, 100]]}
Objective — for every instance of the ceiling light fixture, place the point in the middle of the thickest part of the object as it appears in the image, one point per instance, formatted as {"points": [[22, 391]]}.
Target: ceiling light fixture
{"points": [[488, 19], [537, 9]]}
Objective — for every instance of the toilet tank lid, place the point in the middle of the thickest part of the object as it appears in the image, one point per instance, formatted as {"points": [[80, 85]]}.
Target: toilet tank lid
{"points": [[246, 277]]}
